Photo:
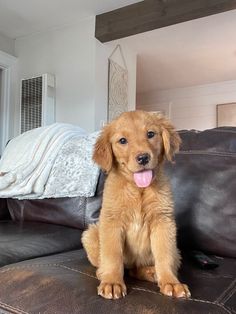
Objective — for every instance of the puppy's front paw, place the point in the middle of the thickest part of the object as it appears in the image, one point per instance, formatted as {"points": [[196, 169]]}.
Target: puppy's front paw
{"points": [[177, 290], [112, 290]]}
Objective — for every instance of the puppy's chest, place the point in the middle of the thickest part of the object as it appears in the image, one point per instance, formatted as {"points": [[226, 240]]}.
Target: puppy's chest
{"points": [[137, 231], [136, 224]]}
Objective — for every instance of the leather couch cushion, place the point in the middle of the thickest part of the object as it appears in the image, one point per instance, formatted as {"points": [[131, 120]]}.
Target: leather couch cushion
{"points": [[75, 212], [4, 212], [66, 283], [203, 181], [28, 240]]}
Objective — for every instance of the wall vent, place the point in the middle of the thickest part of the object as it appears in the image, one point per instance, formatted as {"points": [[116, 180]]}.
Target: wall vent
{"points": [[37, 102]]}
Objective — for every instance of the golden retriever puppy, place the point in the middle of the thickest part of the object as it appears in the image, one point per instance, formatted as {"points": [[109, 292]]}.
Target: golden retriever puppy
{"points": [[136, 227]]}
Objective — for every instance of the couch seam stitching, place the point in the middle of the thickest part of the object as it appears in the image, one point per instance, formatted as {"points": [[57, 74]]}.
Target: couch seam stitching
{"points": [[231, 309], [224, 293], [77, 271], [191, 299], [53, 265], [4, 270], [10, 307], [229, 295]]}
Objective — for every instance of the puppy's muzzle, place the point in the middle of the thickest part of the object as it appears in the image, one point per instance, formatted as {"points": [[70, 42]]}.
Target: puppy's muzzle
{"points": [[143, 159]]}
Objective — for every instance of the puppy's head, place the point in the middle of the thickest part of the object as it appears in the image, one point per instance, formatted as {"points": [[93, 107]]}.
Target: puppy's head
{"points": [[136, 143]]}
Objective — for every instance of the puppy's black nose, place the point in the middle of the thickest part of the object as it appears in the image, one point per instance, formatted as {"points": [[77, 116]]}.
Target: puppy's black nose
{"points": [[143, 159]]}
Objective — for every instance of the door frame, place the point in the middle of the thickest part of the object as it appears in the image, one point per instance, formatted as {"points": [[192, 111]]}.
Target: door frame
{"points": [[7, 65]]}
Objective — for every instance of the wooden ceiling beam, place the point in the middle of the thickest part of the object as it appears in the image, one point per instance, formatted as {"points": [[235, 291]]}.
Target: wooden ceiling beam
{"points": [[152, 14]]}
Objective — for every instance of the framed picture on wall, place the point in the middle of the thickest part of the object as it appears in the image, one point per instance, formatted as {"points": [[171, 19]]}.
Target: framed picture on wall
{"points": [[226, 114]]}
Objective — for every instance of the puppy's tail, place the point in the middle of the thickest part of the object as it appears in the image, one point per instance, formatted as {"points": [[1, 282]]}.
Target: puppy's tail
{"points": [[90, 241]]}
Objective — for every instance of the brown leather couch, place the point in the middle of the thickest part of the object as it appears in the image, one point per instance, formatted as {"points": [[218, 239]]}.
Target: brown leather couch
{"points": [[44, 268]]}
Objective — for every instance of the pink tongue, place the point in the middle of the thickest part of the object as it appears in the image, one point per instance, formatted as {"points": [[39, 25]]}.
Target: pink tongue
{"points": [[143, 178]]}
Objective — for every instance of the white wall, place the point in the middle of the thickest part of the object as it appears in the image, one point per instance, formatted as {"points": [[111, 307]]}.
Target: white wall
{"points": [[191, 107], [7, 45], [69, 54], [80, 65]]}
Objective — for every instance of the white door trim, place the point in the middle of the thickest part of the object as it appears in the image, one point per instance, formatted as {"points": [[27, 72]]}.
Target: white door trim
{"points": [[6, 64]]}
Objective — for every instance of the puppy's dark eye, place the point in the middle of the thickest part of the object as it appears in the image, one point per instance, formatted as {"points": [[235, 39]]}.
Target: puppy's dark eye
{"points": [[123, 141], [150, 134]]}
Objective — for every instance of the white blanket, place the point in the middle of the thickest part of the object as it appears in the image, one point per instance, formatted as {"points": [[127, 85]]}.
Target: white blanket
{"points": [[53, 161]]}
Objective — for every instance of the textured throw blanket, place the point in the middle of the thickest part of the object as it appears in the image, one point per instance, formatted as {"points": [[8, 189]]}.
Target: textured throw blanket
{"points": [[53, 161]]}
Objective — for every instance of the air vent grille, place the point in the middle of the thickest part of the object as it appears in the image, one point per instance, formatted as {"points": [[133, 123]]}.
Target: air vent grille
{"points": [[31, 103]]}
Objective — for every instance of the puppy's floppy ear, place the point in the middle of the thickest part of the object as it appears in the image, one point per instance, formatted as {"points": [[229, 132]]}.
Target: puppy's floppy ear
{"points": [[170, 138], [102, 153]]}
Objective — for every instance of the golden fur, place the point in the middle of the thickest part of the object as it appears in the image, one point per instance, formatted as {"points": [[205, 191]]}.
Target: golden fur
{"points": [[136, 228]]}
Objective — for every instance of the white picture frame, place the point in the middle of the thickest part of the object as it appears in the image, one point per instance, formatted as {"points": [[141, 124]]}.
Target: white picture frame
{"points": [[226, 114]]}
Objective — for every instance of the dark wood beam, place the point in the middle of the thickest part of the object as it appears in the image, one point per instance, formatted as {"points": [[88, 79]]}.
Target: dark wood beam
{"points": [[152, 14]]}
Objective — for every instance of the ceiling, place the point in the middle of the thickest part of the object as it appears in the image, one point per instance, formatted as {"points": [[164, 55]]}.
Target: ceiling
{"points": [[24, 17], [191, 53]]}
